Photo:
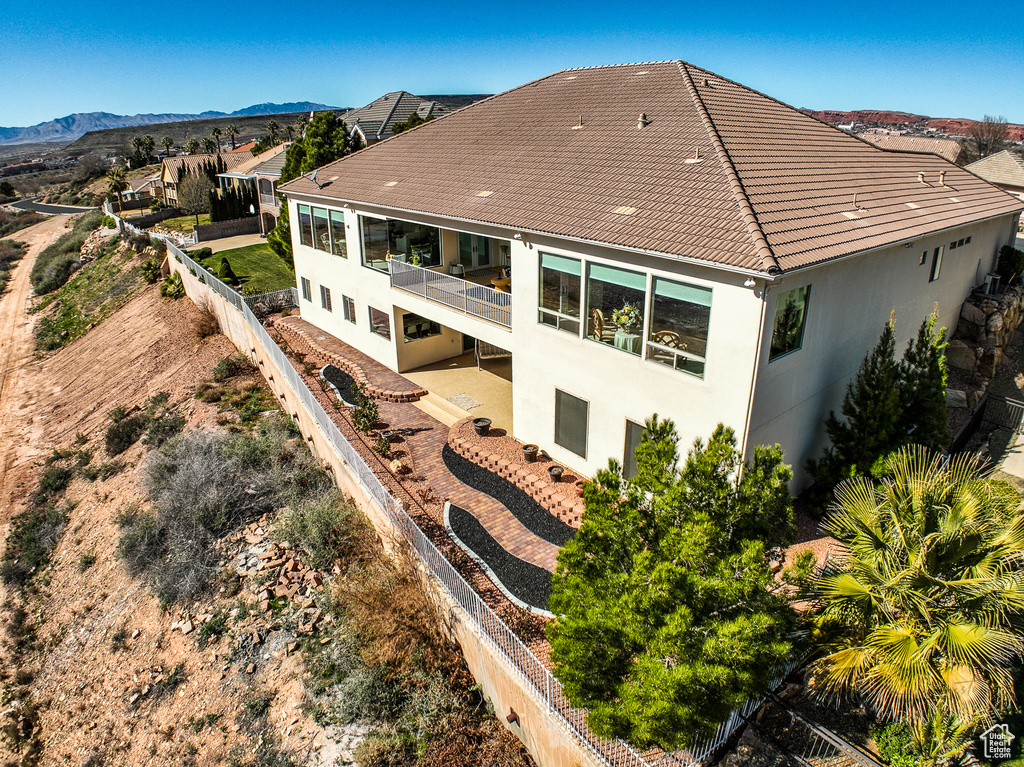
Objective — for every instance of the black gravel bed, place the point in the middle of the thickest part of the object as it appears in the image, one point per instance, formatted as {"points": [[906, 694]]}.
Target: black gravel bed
{"points": [[526, 582], [343, 382], [531, 514]]}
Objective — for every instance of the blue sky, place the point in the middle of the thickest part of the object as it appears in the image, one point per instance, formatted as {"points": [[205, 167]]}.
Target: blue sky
{"points": [[941, 59]]}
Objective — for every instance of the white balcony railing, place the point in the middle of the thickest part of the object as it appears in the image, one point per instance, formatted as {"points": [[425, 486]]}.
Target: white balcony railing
{"points": [[270, 199], [454, 292]]}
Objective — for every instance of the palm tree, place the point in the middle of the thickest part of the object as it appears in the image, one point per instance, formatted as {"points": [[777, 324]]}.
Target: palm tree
{"points": [[137, 154], [300, 123], [216, 134], [290, 129], [920, 615], [232, 131], [147, 145], [273, 127], [191, 146], [209, 145], [117, 182], [167, 142]]}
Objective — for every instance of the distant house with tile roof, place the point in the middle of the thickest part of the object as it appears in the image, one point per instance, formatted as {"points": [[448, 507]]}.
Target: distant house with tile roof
{"points": [[374, 122], [1004, 169], [946, 148], [172, 169], [264, 172], [677, 244]]}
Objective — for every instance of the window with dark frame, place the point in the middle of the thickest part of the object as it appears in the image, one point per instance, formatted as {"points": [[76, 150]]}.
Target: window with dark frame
{"points": [[571, 422], [339, 244], [321, 230], [936, 264], [307, 289], [305, 226], [380, 323], [678, 334], [349, 309], [325, 298], [415, 327], [559, 300], [634, 435], [790, 319], [616, 302]]}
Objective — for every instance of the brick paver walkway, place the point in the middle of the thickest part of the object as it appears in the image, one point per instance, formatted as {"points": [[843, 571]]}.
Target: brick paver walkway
{"points": [[424, 438]]}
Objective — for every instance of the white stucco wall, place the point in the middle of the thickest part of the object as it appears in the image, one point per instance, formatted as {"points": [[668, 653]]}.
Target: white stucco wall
{"points": [[850, 301]]}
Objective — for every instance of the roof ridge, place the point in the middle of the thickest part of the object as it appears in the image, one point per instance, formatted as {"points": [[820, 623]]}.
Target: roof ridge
{"points": [[764, 250]]}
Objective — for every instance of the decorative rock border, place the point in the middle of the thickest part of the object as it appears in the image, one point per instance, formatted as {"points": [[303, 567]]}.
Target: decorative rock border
{"points": [[532, 479], [299, 339]]}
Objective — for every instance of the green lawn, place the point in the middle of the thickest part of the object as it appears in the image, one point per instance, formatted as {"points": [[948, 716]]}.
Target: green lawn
{"points": [[257, 266], [185, 223]]}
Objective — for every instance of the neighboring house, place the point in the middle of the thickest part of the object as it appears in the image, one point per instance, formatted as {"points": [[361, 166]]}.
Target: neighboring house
{"points": [[375, 121], [760, 249], [1004, 169], [173, 168], [946, 148], [248, 146], [142, 189], [264, 172]]}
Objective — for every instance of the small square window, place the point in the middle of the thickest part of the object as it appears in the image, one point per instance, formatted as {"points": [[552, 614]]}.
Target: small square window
{"points": [[967, 241], [307, 289], [952, 245], [325, 298], [961, 242], [349, 307]]}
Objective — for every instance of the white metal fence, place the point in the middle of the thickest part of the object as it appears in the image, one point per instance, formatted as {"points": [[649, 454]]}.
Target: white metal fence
{"points": [[455, 292], [487, 623]]}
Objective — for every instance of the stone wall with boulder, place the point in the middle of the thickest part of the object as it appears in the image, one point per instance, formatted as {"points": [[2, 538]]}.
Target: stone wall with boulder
{"points": [[986, 327]]}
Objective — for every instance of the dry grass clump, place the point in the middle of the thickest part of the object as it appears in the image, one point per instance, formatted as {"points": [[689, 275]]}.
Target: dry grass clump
{"points": [[205, 323]]}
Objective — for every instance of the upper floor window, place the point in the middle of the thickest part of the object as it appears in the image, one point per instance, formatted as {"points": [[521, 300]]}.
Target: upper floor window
{"points": [[559, 292], [305, 226], [790, 316], [678, 334], [936, 264], [386, 239], [321, 232], [339, 245], [615, 307]]}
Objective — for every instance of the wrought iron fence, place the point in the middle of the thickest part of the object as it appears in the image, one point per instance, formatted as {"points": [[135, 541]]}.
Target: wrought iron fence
{"points": [[525, 664]]}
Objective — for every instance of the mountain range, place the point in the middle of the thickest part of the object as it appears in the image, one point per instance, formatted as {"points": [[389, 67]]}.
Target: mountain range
{"points": [[76, 125]]}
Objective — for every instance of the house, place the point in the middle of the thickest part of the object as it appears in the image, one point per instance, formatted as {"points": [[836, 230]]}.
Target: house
{"points": [[670, 242], [375, 121], [263, 171], [943, 147], [172, 169], [1004, 169]]}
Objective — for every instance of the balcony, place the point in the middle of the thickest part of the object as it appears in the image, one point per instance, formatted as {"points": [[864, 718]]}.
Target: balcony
{"points": [[454, 292], [270, 200]]}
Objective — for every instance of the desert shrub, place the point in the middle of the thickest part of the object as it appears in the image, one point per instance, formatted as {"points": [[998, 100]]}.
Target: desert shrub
{"points": [[214, 628], [53, 482], [138, 242], [327, 528], [159, 246], [366, 412], [11, 251], [172, 286], [229, 367], [57, 262], [122, 434], [206, 323], [88, 222], [151, 270], [108, 222], [32, 537], [86, 561], [13, 222], [164, 428]]}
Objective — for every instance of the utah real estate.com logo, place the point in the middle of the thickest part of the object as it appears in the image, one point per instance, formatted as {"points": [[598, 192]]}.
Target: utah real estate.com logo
{"points": [[997, 741]]}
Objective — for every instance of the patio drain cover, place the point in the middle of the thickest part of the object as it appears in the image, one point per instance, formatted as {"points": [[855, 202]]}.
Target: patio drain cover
{"points": [[464, 401]]}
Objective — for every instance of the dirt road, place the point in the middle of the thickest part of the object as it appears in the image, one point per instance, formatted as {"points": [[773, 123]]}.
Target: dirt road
{"points": [[20, 427]]}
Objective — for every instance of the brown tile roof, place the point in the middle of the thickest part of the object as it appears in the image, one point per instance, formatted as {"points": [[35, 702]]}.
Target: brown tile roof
{"points": [[1003, 167], [376, 119], [563, 155], [190, 162], [946, 148]]}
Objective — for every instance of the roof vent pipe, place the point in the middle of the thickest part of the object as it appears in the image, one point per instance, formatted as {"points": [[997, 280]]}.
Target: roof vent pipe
{"points": [[920, 177], [643, 122], [942, 178]]}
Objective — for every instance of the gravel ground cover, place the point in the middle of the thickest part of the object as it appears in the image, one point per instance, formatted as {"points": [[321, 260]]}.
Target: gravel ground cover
{"points": [[343, 382], [526, 582], [531, 514]]}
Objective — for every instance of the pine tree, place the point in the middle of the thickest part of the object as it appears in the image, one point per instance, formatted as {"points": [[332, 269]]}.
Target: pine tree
{"points": [[924, 415], [667, 613]]}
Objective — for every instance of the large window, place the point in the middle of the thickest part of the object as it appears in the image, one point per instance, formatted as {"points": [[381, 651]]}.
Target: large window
{"points": [[571, 414], [305, 226], [380, 323], [321, 233], [615, 307], [307, 289], [415, 327], [790, 316], [678, 335], [339, 245], [384, 239], [559, 292]]}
